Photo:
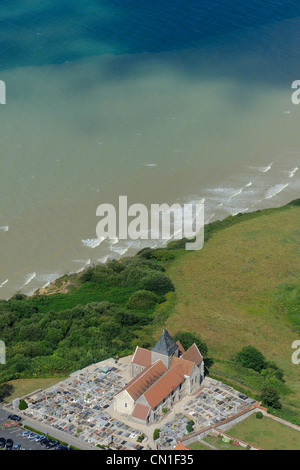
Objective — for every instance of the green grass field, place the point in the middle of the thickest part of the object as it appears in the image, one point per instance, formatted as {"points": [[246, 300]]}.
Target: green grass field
{"points": [[266, 433], [199, 446], [219, 444], [22, 387], [241, 289]]}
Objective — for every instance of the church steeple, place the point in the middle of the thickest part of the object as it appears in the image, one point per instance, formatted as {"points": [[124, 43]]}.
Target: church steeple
{"points": [[165, 345]]}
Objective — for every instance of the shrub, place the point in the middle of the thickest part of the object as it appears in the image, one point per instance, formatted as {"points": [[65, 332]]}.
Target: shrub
{"points": [[251, 358], [271, 367], [145, 253], [189, 428], [142, 300], [187, 339], [156, 434], [259, 415], [157, 282], [270, 397], [162, 255], [23, 405]]}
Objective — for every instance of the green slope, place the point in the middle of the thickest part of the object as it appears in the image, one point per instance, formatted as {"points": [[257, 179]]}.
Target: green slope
{"points": [[243, 288]]}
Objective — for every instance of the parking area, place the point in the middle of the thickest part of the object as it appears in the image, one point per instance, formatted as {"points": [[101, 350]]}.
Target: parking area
{"points": [[16, 435]]}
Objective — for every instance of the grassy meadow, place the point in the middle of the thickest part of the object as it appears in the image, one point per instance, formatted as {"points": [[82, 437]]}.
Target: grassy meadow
{"points": [[266, 433], [241, 289]]}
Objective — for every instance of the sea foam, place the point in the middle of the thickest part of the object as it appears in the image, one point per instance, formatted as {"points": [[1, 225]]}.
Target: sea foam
{"points": [[29, 278], [292, 172], [3, 283], [92, 242], [275, 190], [262, 169]]}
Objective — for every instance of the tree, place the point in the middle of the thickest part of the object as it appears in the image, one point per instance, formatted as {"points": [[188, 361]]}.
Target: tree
{"points": [[187, 339], [5, 390], [23, 405], [271, 367], [126, 318], [157, 282], [251, 358], [142, 300], [19, 296], [189, 428], [270, 397]]}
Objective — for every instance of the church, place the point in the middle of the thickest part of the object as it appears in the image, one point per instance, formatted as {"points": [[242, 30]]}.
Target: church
{"points": [[160, 377]]}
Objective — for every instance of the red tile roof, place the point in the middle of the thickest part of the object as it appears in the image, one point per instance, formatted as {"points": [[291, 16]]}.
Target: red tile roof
{"points": [[180, 347], [193, 354], [144, 380], [174, 361], [186, 366], [142, 357], [140, 411], [164, 386], [180, 446]]}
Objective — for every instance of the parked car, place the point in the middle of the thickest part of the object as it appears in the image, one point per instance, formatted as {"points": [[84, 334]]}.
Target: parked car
{"points": [[2, 442], [44, 441], [15, 417], [61, 447], [16, 446], [39, 437], [51, 443], [9, 444]]}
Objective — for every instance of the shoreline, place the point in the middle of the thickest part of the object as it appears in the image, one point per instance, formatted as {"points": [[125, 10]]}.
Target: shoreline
{"points": [[44, 290]]}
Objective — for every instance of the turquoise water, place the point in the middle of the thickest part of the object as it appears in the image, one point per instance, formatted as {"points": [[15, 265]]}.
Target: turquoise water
{"points": [[162, 102]]}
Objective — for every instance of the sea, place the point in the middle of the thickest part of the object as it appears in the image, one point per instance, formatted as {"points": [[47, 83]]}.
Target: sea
{"points": [[167, 101]]}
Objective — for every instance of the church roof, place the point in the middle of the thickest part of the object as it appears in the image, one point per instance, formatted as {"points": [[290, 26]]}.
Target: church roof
{"points": [[193, 354], [186, 366], [144, 380], [140, 411], [165, 345], [180, 347], [164, 386], [142, 357]]}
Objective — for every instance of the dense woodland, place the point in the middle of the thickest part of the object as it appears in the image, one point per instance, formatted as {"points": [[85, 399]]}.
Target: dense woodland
{"points": [[44, 338]]}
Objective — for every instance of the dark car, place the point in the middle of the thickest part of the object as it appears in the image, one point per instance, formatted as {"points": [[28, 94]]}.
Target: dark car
{"points": [[51, 444], [44, 441], [15, 417], [61, 447], [2, 442], [9, 444]]}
